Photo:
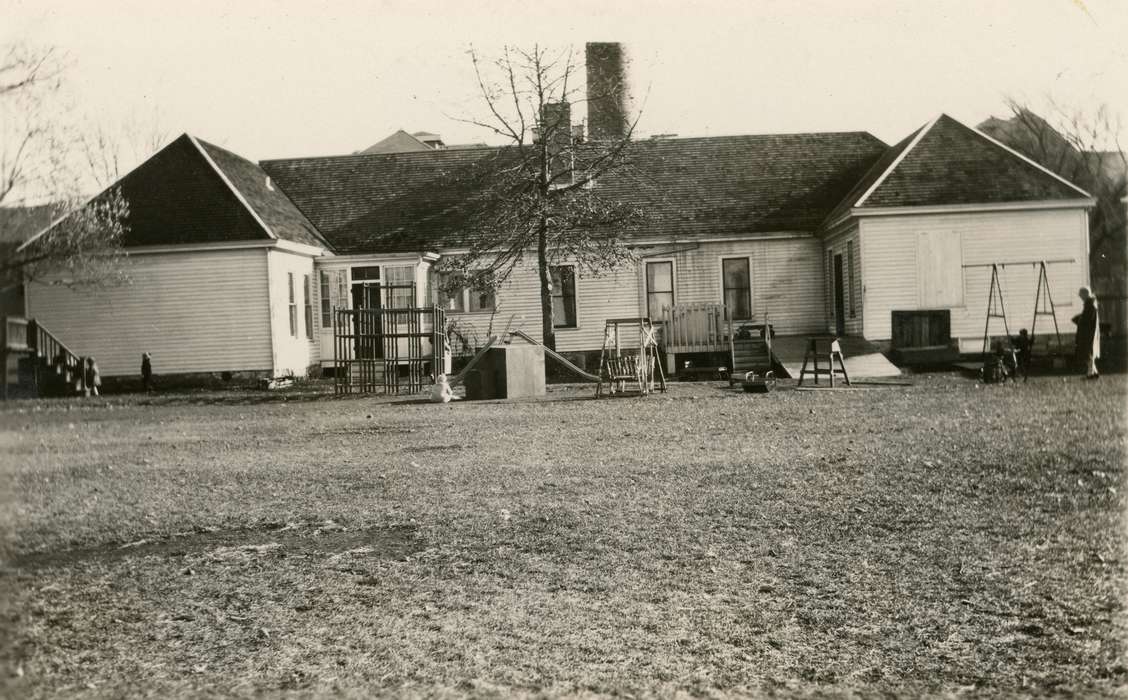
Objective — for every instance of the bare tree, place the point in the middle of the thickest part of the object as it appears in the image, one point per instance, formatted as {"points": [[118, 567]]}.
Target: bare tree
{"points": [[1083, 148], [109, 153], [39, 178], [539, 195]]}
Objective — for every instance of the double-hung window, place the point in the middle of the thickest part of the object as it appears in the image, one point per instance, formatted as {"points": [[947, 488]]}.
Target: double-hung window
{"points": [[480, 299], [454, 294], [326, 302], [307, 290], [659, 287], [400, 281], [293, 305], [450, 292], [564, 296]]}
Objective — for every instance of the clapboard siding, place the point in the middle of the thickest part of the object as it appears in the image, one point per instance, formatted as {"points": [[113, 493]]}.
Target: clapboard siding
{"points": [[891, 265], [610, 294], [787, 289], [787, 286], [194, 311], [292, 354]]}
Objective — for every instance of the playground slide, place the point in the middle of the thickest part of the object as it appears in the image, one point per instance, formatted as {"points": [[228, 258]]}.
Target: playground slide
{"points": [[559, 358], [461, 376]]}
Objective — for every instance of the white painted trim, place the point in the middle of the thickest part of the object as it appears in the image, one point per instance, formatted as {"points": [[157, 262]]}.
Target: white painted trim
{"points": [[217, 246], [721, 283], [299, 248], [897, 161], [781, 235], [270, 306], [1031, 162], [644, 309], [346, 261], [1040, 205], [701, 241], [231, 186]]}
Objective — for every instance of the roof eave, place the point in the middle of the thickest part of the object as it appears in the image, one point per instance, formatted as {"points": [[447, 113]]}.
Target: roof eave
{"points": [[1039, 205]]}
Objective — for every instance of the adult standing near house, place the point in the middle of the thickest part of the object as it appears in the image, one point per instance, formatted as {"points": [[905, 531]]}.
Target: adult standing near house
{"points": [[1088, 337], [147, 371]]}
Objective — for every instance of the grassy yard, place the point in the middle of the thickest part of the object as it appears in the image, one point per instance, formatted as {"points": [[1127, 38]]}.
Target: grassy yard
{"points": [[938, 539]]}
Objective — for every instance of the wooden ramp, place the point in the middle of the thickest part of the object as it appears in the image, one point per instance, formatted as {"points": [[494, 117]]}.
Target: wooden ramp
{"points": [[861, 357]]}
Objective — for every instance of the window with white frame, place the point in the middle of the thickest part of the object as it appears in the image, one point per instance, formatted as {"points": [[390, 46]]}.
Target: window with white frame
{"points": [[342, 288], [736, 282], [563, 296], [293, 305], [326, 302], [659, 287], [480, 299], [850, 279], [400, 281], [454, 294], [449, 292]]}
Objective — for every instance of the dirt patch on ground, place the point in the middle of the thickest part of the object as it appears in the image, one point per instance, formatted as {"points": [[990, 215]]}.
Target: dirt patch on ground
{"points": [[285, 539]]}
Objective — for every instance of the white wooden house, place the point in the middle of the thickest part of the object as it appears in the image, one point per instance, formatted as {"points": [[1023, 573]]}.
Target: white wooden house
{"points": [[237, 267], [919, 232], [221, 268]]}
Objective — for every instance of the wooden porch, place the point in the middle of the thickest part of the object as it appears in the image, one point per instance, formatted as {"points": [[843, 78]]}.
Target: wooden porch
{"points": [[710, 328]]}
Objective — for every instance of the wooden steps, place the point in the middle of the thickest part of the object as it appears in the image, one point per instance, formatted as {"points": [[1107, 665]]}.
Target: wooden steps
{"points": [[55, 369], [750, 356]]}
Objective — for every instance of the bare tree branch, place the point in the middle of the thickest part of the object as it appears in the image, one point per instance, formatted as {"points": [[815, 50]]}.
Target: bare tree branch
{"points": [[543, 198], [1083, 148], [41, 162]]}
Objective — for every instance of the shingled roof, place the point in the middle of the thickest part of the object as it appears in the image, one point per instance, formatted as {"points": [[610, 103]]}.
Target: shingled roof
{"points": [[279, 214], [194, 192], [944, 163], [695, 187]]}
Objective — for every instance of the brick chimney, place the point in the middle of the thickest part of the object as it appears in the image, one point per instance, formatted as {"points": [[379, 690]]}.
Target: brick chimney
{"points": [[607, 90], [556, 129]]}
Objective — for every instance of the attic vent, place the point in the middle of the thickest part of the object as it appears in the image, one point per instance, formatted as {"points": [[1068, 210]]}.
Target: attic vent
{"points": [[269, 184]]}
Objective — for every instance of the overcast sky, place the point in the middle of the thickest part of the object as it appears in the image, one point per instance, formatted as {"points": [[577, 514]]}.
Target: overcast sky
{"points": [[274, 79]]}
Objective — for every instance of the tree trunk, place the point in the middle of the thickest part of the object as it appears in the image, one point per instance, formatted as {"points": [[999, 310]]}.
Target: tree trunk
{"points": [[547, 327]]}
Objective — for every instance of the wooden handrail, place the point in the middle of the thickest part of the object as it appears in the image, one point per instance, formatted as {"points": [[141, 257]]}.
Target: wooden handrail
{"points": [[45, 345], [23, 335]]}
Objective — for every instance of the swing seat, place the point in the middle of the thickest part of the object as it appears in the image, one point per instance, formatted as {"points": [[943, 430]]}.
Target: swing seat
{"points": [[622, 368]]}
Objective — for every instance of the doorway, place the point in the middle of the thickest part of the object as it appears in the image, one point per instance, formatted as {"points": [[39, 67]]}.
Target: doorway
{"points": [[368, 332]]}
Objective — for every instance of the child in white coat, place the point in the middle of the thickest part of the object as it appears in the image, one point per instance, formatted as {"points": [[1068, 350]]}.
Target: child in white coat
{"points": [[440, 390]]}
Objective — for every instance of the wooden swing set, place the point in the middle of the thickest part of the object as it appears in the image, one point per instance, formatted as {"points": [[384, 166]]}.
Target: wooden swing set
{"points": [[618, 366], [1043, 306]]}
